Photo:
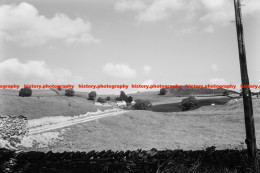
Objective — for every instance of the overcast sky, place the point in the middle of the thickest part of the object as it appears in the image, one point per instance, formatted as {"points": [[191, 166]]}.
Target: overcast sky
{"points": [[126, 41]]}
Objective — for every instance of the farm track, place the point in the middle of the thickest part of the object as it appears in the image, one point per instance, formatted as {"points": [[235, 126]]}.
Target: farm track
{"points": [[73, 122]]}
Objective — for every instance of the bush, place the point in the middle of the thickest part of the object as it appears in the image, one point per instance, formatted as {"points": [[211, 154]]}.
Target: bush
{"points": [[189, 103], [163, 91], [69, 92], [25, 92], [142, 105], [225, 93], [108, 98], [92, 95], [100, 100]]}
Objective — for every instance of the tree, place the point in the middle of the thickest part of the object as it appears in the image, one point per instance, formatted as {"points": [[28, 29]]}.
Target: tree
{"points": [[69, 92], [142, 105], [92, 95], [25, 92], [163, 91], [124, 97], [130, 99], [189, 103], [100, 100], [225, 93], [53, 89]]}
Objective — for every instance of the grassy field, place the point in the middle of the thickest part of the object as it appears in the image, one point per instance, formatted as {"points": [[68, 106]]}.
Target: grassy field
{"points": [[203, 101], [47, 103], [220, 125], [156, 99], [44, 103]]}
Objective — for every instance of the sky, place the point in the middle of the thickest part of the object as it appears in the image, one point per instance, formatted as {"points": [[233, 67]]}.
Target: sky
{"points": [[126, 42]]}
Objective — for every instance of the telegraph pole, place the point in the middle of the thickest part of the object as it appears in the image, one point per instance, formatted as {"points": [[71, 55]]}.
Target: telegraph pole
{"points": [[247, 100]]}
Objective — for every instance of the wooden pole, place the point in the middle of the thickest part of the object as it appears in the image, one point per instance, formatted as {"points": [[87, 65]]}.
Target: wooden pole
{"points": [[247, 100]]}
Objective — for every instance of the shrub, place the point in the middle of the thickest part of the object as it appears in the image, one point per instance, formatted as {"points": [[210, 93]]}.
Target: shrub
{"points": [[69, 92], [100, 100], [225, 93], [108, 98], [128, 104], [142, 105], [189, 103], [92, 95], [163, 91], [25, 92]]}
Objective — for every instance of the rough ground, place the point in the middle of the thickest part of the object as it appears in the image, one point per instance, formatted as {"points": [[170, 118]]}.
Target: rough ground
{"points": [[48, 124], [221, 126]]}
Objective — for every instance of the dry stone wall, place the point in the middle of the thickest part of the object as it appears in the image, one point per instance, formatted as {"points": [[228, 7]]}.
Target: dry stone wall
{"points": [[13, 128], [139, 161]]}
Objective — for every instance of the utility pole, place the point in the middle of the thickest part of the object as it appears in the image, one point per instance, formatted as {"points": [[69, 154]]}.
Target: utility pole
{"points": [[247, 100]]}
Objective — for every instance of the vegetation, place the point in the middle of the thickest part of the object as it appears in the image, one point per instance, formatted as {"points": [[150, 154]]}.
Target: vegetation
{"points": [[163, 91], [195, 91], [44, 103], [189, 103], [92, 95], [225, 93], [69, 92], [108, 98], [124, 97], [100, 100], [130, 99], [142, 105], [56, 91], [25, 92]]}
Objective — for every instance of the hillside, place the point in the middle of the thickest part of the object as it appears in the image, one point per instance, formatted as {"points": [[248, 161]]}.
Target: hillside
{"points": [[197, 91], [44, 103], [221, 126]]}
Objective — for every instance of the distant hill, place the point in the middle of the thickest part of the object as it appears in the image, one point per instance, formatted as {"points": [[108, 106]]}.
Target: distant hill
{"points": [[197, 91]]}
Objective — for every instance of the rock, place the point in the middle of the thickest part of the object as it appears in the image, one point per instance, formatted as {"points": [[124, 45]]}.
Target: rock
{"points": [[13, 128]]}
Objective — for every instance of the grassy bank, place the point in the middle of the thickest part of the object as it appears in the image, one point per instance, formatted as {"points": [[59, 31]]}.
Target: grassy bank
{"points": [[45, 103]]}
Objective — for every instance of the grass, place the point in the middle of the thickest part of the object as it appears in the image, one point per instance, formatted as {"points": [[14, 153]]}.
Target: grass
{"points": [[173, 107], [220, 125], [44, 103], [156, 99]]}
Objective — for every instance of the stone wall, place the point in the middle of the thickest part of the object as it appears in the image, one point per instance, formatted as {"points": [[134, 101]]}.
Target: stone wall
{"points": [[13, 128], [139, 161]]}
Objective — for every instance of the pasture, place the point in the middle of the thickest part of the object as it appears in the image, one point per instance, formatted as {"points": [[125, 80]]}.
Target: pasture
{"points": [[45, 103], [221, 125]]}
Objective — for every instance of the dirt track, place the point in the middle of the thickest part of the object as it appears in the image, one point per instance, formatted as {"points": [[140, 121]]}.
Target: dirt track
{"points": [[73, 122]]}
